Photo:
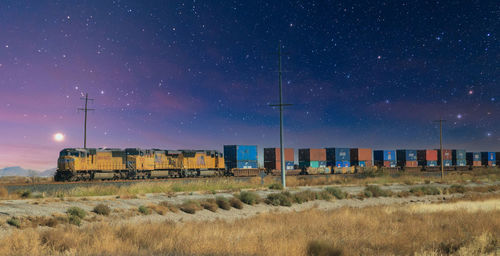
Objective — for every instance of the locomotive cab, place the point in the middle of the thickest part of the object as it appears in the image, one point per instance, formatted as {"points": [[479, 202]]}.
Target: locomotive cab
{"points": [[69, 159]]}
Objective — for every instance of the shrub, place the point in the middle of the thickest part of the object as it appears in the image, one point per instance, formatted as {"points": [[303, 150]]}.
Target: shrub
{"points": [[316, 248], [190, 207], [323, 195], [276, 186], [457, 189], [169, 206], [102, 209], [223, 203], [76, 211], [4, 193], [52, 222], [283, 199], [144, 210], [376, 191], [26, 194], [367, 193], [14, 222], [304, 196], [236, 203], [425, 190], [210, 205], [336, 192], [250, 198], [75, 220]]}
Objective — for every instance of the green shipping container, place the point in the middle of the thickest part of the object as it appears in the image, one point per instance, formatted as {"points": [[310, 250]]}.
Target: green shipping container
{"points": [[312, 164]]}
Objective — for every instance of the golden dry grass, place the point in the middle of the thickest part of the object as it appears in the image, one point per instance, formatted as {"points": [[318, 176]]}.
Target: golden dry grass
{"points": [[391, 230], [212, 185]]}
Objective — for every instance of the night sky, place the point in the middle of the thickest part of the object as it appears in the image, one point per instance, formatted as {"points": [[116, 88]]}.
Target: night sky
{"points": [[201, 74]]}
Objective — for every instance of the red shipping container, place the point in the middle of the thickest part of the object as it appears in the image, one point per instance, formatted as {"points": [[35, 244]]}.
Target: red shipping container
{"points": [[361, 154], [431, 155], [447, 155], [312, 154], [411, 164], [388, 164], [476, 163], [273, 154]]}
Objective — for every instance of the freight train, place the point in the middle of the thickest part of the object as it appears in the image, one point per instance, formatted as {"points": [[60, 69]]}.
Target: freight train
{"points": [[75, 164]]}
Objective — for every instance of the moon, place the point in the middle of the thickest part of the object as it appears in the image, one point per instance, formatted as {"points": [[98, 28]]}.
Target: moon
{"points": [[59, 137]]}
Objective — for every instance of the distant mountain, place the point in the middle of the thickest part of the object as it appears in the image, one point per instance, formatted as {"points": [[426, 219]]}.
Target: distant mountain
{"points": [[48, 173], [19, 171]]}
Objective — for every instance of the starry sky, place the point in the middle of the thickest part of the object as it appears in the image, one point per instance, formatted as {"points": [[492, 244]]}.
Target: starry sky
{"points": [[201, 74]]}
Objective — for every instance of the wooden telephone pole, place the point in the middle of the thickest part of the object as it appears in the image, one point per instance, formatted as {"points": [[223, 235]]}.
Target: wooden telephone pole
{"points": [[85, 109], [441, 144], [281, 105]]}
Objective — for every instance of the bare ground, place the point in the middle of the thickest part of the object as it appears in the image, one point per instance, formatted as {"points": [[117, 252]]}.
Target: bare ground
{"points": [[125, 209]]}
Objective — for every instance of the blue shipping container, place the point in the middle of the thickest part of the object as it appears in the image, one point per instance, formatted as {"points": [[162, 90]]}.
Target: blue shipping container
{"points": [[342, 154], [247, 164], [432, 163], [384, 155], [393, 163], [362, 164], [312, 164], [447, 163], [476, 156], [390, 155], [458, 154], [242, 165], [240, 152], [342, 163], [289, 165], [406, 155], [461, 162]]}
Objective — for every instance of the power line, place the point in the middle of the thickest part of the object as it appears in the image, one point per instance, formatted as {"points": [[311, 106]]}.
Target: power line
{"points": [[85, 120], [281, 105], [441, 144]]}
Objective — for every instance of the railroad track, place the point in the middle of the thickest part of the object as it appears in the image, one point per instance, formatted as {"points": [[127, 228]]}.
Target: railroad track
{"points": [[61, 186]]}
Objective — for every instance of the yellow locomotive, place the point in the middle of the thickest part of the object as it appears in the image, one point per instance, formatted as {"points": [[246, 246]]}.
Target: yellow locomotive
{"points": [[134, 163]]}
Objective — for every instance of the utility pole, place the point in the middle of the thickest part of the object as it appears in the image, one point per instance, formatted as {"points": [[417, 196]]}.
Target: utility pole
{"points": [[85, 120], [441, 144], [281, 105]]}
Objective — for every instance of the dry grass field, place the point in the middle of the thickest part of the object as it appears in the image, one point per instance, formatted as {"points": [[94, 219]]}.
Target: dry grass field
{"points": [[422, 229], [230, 184]]}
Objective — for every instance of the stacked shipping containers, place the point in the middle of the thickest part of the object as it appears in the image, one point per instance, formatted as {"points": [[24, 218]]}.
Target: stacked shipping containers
{"points": [[458, 157], [488, 159], [447, 156], [312, 157], [338, 157], [427, 158], [361, 157], [272, 158], [385, 158], [407, 158], [240, 156], [473, 158]]}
